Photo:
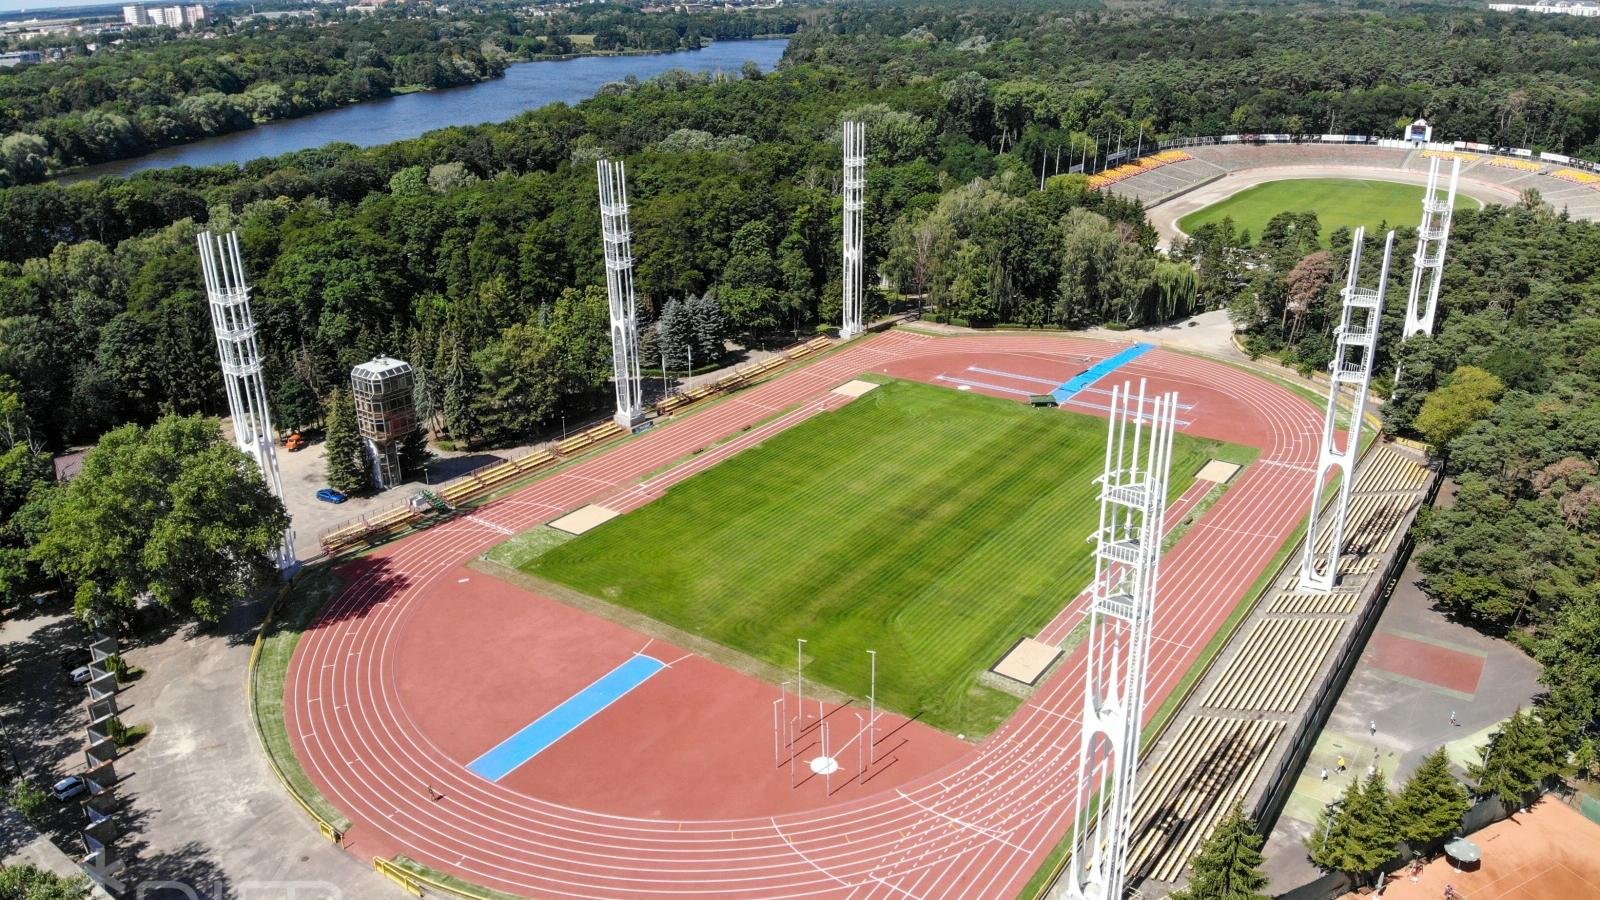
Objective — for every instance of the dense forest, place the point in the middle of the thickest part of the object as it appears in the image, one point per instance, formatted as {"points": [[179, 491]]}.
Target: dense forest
{"points": [[453, 244], [164, 88], [1040, 75]]}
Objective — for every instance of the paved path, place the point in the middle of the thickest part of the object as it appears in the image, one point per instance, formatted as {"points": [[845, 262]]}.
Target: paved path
{"points": [[201, 811], [1417, 669]]}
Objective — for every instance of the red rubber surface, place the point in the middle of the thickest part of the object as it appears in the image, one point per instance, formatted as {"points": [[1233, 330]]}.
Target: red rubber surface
{"points": [[421, 664], [1430, 663]]}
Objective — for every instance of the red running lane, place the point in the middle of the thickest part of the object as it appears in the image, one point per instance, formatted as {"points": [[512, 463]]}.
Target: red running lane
{"points": [[976, 826]]}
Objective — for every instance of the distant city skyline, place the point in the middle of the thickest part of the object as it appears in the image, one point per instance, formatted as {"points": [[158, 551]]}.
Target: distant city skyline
{"points": [[45, 9]]}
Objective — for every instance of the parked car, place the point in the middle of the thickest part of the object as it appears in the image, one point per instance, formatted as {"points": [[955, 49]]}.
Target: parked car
{"points": [[329, 495], [295, 441], [69, 787], [81, 675]]}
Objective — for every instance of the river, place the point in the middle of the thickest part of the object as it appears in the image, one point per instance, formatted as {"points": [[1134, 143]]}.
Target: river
{"points": [[526, 85]]}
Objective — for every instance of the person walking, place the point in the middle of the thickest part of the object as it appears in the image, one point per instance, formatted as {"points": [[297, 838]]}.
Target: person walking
{"points": [[1453, 721], [1341, 763], [1372, 726], [1324, 773]]}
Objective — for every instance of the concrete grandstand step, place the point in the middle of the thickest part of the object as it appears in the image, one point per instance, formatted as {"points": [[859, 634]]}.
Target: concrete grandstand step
{"points": [[1276, 665], [1210, 766]]}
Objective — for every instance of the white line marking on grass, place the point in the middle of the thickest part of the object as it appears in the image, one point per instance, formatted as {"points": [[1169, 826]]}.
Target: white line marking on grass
{"points": [[979, 384]]}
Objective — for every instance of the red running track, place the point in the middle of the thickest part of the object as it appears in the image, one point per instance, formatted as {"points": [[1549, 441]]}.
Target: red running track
{"points": [[362, 700]]}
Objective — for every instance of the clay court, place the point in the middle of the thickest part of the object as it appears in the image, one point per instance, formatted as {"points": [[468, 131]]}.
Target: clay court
{"points": [[530, 744], [1547, 853]]}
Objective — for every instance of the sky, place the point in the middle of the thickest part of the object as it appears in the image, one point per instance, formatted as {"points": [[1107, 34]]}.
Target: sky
{"points": [[39, 7]]}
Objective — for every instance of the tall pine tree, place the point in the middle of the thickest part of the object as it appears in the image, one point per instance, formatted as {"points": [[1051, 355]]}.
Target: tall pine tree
{"points": [[1429, 808], [460, 401], [1516, 760], [344, 450], [1228, 866], [1360, 835]]}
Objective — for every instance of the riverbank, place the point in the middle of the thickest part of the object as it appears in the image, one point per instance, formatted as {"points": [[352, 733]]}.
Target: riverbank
{"points": [[523, 86]]}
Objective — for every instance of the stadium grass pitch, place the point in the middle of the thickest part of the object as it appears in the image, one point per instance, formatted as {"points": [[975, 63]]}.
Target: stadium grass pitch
{"points": [[932, 526], [1338, 203]]}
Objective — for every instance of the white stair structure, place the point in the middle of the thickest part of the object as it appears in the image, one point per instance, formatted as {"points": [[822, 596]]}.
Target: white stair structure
{"points": [[618, 239], [855, 192], [228, 296], [1433, 236], [1133, 505], [1355, 348]]}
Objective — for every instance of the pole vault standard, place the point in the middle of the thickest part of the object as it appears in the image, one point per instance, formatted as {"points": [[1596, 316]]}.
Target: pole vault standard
{"points": [[855, 192], [1433, 236], [1355, 347], [228, 296], [618, 241], [1127, 559]]}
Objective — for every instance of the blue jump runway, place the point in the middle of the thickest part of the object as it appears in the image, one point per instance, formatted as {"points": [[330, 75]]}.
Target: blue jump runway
{"points": [[511, 753], [1099, 370]]}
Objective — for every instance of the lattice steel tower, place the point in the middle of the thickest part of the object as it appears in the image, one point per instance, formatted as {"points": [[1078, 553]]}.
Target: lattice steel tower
{"points": [[855, 194], [1433, 235], [1127, 558], [618, 242], [228, 296], [1355, 347]]}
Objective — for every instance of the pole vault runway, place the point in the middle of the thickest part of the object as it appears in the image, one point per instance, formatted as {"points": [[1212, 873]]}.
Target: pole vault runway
{"points": [[957, 820]]}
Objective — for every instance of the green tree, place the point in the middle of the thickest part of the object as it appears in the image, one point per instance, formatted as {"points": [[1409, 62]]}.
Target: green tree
{"points": [[28, 799], [1429, 808], [174, 511], [1569, 650], [1358, 836], [26, 882], [1467, 397], [751, 279], [344, 451], [461, 389], [1228, 866], [673, 332], [521, 378], [1516, 761], [27, 482]]}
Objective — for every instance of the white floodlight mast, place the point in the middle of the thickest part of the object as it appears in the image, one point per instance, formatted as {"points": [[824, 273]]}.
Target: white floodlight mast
{"points": [[1355, 342], [1127, 559], [1433, 236], [855, 191], [618, 240], [228, 297]]}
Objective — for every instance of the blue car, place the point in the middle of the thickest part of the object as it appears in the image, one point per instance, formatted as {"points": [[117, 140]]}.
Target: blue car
{"points": [[329, 495]]}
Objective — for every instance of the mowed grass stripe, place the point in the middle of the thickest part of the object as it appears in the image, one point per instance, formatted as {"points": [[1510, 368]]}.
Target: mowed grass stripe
{"points": [[932, 526], [1338, 203]]}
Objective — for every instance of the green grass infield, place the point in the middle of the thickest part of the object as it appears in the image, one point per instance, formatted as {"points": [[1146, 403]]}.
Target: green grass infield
{"points": [[1338, 203], [932, 526]]}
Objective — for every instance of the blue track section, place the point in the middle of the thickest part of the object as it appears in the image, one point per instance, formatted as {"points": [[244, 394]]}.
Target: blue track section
{"points": [[556, 724], [1099, 370]]}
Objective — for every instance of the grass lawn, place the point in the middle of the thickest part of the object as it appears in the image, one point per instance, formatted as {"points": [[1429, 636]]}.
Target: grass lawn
{"points": [[933, 526], [1338, 202]]}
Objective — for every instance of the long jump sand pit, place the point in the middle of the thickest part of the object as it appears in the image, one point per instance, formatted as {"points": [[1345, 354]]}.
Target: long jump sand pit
{"points": [[1027, 661], [585, 519], [1547, 853]]}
